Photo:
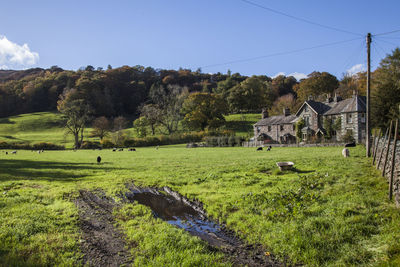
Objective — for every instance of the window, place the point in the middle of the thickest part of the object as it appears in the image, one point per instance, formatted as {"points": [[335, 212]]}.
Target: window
{"points": [[281, 127], [269, 128], [294, 127], [362, 117], [349, 118], [305, 108], [307, 121]]}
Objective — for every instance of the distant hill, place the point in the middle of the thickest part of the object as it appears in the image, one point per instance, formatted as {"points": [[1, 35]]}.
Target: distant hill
{"points": [[8, 75]]}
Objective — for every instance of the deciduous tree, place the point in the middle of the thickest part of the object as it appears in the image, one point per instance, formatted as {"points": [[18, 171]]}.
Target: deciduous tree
{"points": [[76, 112]]}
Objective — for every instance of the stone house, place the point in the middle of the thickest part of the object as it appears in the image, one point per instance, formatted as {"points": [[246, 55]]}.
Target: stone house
{"points": [[282, 128]]}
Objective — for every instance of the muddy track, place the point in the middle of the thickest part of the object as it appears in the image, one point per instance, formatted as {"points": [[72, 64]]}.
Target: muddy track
{"points": [[102, 244], [190, 216]]}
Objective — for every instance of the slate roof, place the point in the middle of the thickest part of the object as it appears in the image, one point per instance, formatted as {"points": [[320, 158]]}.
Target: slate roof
{"points": [[318, 107], [281, 119], [354, 104]]}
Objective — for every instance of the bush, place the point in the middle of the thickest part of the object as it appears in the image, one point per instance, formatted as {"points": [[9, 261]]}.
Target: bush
{"points": [[47, 146], [106, 143], [27, 146], [348, 137], [90, 145]]}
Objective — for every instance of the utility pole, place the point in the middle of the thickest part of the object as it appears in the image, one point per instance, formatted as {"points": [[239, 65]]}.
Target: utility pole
{"points": [[368, 125]]}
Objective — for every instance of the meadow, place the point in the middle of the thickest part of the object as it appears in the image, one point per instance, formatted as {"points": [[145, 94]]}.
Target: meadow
{"points": [[328, 211]]}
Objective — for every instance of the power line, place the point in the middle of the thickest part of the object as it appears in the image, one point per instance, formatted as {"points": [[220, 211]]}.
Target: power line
{"points": [[384, 33], [278, 54], [299, 19]]}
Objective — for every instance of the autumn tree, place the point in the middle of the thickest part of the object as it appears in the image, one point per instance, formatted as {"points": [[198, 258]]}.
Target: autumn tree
{"points": [[282, 85], [75, 111], [385, 104], [250, 95], [316, 85], [285, 101], [101, 127], [119, 124], [204, 110]]}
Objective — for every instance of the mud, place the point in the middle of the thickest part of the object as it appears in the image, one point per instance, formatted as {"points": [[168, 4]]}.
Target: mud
{"points": [[102, 244], [190, 216]]}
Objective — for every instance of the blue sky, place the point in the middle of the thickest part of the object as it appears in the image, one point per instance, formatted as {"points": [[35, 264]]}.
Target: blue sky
{"points": [[192, 34]]}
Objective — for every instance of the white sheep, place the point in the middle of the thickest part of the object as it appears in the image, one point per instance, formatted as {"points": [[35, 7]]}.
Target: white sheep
{"points": [[345, 152]]}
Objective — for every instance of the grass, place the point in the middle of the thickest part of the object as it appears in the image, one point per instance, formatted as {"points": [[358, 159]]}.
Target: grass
{"points": [[329, 211], [242, 124], [48, 127]]}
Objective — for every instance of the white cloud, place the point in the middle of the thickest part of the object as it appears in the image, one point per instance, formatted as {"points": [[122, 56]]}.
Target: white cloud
{"points": [[297, 75], [356, 69], [15, 56], [278, 74]]}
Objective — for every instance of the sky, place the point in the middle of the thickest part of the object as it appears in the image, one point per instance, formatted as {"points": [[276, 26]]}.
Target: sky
{"points": [[252, 37]]}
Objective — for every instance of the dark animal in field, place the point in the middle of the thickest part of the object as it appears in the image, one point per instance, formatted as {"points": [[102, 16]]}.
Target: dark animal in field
{"points": [[259, 148], [132, 149], [6, 152], [14, 152], [269, 148], [114, 149], [350, 144], [98, 159], [121, 149]]}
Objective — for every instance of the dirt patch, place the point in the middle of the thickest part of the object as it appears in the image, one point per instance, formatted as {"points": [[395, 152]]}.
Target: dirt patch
{"points": [[177, 210], [102, 244]]}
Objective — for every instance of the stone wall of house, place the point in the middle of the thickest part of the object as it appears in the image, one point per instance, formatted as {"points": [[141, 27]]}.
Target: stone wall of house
{"points": [[356, 126], [396, 177], [275, 131], [312, 117]]}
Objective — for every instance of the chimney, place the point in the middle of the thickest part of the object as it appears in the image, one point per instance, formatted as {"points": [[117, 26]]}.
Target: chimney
{"points": [[310, 98], [328, 99], [286, 111], [264, 113], [337, 98]]}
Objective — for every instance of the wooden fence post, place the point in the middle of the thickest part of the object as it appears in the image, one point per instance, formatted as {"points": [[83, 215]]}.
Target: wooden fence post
{"points": [[387, 149], [383, 147], [376, 146], [393, 160]]}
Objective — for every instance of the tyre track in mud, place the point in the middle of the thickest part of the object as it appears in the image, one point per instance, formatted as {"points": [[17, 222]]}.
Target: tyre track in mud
{"points": [[102, 244]]}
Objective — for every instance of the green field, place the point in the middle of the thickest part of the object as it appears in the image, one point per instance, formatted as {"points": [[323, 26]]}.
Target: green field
{"points": [[47, 127], [329, 211]]}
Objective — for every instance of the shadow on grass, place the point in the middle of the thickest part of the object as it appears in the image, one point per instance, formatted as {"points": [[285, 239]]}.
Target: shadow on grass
{"points": [[46, 170], [6, 121], [301, 171]]}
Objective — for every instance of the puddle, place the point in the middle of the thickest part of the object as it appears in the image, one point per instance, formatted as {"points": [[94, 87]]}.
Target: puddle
{"points": [[178, 211]]}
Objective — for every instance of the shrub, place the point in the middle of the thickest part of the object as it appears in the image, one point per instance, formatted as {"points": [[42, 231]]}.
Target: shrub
{"points": [[90, 145], [106, 143], [47, 146]]}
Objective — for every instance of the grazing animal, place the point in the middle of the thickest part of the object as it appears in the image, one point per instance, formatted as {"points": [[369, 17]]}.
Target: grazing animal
{"points": [[114, 149], [6, 152], [38, 151], [345, 152], [14, 152], [98, 159], [259, 148], [121, 149], [350, 144], [132, 149], [269, 148]]}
